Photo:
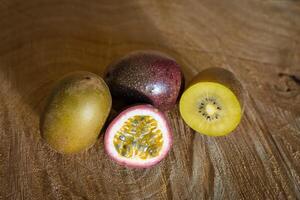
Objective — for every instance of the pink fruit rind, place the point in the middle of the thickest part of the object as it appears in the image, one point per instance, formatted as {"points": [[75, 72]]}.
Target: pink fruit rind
{"points": [[109, 147]]}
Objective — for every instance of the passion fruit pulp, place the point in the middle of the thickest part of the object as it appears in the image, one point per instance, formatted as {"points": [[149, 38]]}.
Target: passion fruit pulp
{"points": [[139, 137]]}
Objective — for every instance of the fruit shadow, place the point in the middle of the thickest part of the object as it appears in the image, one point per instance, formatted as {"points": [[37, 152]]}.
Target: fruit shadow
{"points": [[35, 63]]}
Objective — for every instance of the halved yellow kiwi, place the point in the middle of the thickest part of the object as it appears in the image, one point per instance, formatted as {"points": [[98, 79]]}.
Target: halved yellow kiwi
{"points": [[213, 102]]}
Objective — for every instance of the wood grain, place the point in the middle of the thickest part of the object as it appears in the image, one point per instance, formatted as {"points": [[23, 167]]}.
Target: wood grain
{"points": [[41, 40]]}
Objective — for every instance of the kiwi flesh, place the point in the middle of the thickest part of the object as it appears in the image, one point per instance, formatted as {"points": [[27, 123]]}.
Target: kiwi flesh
{"points": [[213, 102]]}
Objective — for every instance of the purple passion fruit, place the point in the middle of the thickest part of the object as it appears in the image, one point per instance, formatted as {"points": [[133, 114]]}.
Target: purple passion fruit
{"points": [[76, 112], [139, 137], [146, 77], [213, 102]]}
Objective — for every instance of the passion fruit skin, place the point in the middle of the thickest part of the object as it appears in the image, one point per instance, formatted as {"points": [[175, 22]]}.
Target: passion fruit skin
{"points": [[75, 113], [146, 77], [141, 107]]}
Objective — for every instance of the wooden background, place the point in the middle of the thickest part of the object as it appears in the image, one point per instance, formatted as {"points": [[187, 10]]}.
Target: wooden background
{"points": [[259, 40]]}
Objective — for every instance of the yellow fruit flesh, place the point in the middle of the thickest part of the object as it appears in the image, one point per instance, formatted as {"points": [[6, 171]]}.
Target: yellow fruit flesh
{"points": [[139, 137], [210, 108]]}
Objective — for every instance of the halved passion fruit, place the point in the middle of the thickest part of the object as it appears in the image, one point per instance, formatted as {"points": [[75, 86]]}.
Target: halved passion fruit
{"points": [[138, 137]]}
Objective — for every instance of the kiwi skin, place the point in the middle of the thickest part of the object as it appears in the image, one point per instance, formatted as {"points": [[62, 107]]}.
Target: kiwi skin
{"points": [[146, 77], [75, 112], [224, 77]]}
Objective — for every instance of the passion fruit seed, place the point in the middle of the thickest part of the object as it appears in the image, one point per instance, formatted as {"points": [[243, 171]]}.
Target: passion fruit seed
{"points": [[139, 137], [209, 108]]}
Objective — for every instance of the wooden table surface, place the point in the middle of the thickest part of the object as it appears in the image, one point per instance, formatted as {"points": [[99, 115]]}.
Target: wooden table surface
{"points": [[259, 40]]}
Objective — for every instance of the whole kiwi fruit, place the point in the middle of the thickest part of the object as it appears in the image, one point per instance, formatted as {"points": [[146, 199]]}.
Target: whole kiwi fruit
{"points": [[76, 112]]}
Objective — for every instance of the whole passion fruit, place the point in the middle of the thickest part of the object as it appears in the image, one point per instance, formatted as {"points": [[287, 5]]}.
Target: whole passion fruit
{"points": [[76, 112], [146, 77], [139, 137]]}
